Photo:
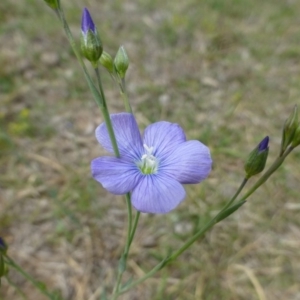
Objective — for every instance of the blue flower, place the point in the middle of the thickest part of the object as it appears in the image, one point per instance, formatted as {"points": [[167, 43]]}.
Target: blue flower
{"points": [[152, 168]]}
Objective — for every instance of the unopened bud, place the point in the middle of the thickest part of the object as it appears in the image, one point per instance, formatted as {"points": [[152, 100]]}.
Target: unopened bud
{"points": [[3, 246], [296, 139], [121, 62], [91, 45], [107, 62], [257, 158], [289, 129]]}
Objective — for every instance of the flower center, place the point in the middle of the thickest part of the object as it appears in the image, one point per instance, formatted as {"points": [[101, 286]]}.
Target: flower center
{"points": [[148, 163]]}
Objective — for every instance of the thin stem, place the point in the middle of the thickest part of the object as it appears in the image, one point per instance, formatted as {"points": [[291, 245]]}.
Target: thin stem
{"points": [[210, 224], [130, 236], [122, 86], [106, 115], [36, 284], [245, 180], [129, 212], [162, 263], [261, 180], [135, 222], [117, 285], [148, 275]]}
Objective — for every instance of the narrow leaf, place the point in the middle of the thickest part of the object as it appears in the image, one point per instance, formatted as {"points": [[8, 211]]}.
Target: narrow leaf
{"points": [[229, 211]]}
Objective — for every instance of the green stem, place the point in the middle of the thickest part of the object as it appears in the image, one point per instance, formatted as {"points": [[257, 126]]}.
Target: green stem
{"points": [[148, 275], [164, 262], [122, 86], [117, 286], [36, 284], [245, 180], [106, 116], [123, 260], [136, 220], [129, 211], [210, 224]]}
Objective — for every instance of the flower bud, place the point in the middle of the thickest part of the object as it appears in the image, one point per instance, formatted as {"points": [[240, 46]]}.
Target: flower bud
{"points": [[107, 62], [296, 139], [3, 246], [53, 3], [121, 62], [289, 129], [257, 158], [91, 45]]}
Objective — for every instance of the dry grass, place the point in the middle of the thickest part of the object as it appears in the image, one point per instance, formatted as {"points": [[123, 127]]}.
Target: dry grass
{"points": [[228, 73]]}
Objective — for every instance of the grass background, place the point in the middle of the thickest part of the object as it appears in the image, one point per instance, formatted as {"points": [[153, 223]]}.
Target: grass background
{"points": [[227, 71]]}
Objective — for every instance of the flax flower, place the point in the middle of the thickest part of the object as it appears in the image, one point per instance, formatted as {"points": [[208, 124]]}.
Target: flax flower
{"points": [[153, 167]]}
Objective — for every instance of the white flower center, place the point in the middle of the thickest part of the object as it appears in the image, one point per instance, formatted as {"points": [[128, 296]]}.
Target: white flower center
{"points": [[148, 163]]}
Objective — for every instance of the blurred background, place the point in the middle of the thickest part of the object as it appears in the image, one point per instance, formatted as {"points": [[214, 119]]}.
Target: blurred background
{"points": [[227, 71]]}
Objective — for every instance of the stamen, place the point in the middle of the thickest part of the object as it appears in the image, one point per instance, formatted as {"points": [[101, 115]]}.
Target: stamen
{"points": [[148, 163]]}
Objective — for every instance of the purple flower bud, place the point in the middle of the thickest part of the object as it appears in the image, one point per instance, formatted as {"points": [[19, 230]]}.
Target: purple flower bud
{"points": [[91, 45], [263, 145], [3, 246], [257, 159], [87, 22]]}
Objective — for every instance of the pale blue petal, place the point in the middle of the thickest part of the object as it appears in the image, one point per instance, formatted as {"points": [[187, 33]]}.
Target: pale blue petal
{"points": [[190, 162], [157, 194], [116, 175], [164, 137], [127, 135]]}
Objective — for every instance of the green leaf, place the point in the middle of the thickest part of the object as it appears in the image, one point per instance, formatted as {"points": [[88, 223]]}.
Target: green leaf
{"points": [[229, 211]]}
